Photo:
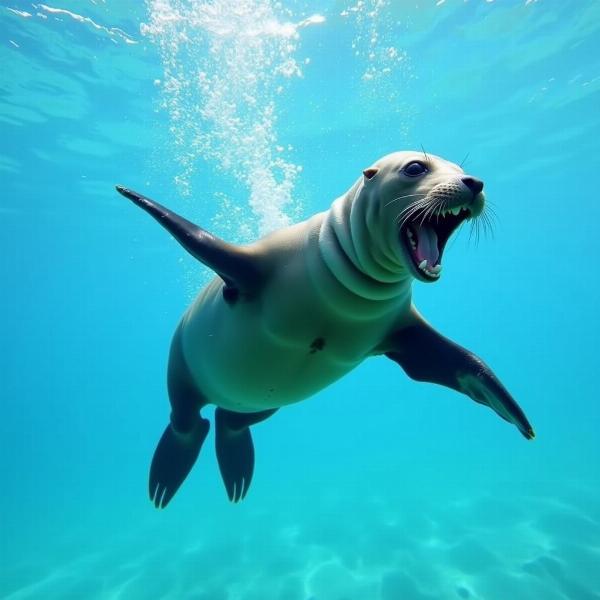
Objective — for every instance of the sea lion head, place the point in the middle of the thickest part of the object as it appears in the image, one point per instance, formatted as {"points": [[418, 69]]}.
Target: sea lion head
{"points": [[411, 203]]}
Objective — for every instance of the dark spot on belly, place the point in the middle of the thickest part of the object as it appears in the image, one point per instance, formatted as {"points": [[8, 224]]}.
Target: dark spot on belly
{"points": [[317, 344], [231, 295]]}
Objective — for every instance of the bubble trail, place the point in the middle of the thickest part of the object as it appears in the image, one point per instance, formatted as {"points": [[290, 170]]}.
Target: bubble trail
{"points": [[225, 64]]}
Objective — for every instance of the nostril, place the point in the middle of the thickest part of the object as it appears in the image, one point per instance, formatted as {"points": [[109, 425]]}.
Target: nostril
{"points": [[475, 185]]}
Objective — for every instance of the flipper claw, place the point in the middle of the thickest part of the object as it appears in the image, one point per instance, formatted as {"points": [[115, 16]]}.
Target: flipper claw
{"points": [[173, 459], [426, 355], [235, 454]]}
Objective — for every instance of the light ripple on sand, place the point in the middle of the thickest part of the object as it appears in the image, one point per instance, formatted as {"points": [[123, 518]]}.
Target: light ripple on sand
{"points": [[407, 548]]}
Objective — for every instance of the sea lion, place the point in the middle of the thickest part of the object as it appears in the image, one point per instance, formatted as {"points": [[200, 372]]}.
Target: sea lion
{"points": [[293, 312]]}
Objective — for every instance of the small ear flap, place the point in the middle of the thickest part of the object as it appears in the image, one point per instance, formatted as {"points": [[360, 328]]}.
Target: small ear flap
{"points": [[370, 172]]}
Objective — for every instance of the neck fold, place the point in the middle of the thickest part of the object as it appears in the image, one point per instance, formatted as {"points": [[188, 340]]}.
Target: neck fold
{"points": [[352, 244]]}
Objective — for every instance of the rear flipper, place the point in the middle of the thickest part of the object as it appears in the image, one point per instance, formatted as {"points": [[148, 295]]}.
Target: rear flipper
{"points": [[182, 440], [173, 459], [235, 450]]}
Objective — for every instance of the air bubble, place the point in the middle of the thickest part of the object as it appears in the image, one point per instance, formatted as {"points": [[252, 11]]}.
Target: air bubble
{"points": [[225, 64]]}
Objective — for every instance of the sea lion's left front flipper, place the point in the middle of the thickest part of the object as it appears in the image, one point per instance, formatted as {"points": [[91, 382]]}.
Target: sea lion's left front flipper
{"points": [[426, 355], [235, 265]]}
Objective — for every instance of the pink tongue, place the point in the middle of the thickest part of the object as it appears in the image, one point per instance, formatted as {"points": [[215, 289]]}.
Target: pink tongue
{"points": [[427, 248]]}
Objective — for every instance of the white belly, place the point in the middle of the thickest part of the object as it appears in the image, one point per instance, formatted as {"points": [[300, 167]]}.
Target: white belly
{"points": [[277, 349]]}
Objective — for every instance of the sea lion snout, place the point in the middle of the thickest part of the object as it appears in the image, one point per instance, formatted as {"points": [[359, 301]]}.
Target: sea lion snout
{"points": [[475, 185]]}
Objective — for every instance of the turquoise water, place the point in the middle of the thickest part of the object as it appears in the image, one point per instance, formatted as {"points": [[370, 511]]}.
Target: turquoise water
{"points": [[245, 116]]}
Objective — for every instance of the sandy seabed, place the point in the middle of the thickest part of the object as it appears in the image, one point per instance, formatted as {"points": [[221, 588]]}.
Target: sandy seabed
{"points": [[489, 545]]}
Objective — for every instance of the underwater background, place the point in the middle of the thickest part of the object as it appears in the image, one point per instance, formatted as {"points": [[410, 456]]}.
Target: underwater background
{"points": [[244, 116]]}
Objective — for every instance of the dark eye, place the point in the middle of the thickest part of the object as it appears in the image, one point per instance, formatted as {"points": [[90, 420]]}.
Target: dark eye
{"points": [[415, 168]]}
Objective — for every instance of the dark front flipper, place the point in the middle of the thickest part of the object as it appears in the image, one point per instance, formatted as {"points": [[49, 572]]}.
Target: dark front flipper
{"points": [[426, 355], [173, 459], [235, 450], [235, 265]]}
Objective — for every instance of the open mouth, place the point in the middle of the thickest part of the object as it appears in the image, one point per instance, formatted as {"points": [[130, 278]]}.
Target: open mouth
{"points": [[425, 239]]}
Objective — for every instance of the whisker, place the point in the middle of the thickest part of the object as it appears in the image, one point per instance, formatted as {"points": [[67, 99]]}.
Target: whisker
{"points": [[428, 212], [418, 202], [402, 197], [415, 211], [486, 218], [415, 205], [489, 205], [490, 224], [444, 205], [471, 229], [401, 221], [464, 160], [484, 224], [492, 213], [426, 157], [442, 208], [477, 232], [435, 212]]}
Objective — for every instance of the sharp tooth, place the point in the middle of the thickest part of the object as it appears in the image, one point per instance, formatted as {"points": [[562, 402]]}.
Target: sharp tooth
{"points": [[409, 233], [456, 210], [423, 264], [436, 269]]}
